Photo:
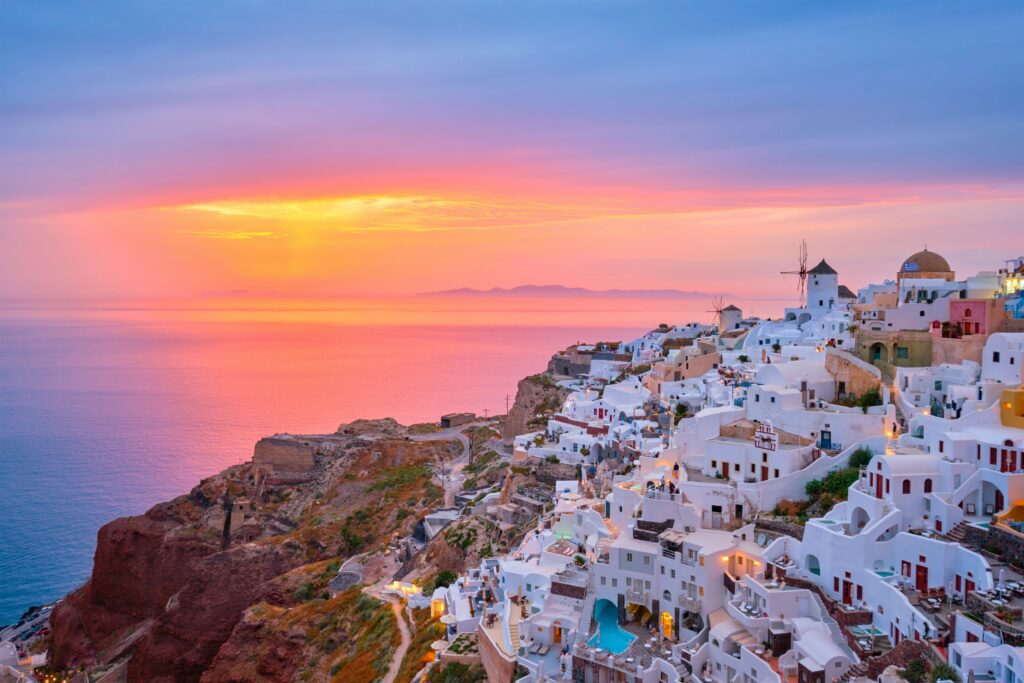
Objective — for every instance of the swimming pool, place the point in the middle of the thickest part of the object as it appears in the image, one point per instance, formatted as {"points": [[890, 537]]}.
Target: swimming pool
{"points": [[822, 520], [609, 636], [884, 573]]}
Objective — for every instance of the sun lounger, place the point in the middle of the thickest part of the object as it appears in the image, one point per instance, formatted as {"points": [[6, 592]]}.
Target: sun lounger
{"points": [[543, 650]]}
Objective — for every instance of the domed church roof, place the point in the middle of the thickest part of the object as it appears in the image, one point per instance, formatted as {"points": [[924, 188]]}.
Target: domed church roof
{"points": [[926, 262]]}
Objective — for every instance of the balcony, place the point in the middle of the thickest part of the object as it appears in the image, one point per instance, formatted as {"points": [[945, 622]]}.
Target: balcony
{"points": [[690, 604], [638, 596]]}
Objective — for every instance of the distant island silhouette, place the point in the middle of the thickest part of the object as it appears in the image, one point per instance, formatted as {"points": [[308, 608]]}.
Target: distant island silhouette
{"points": [[562, 290]]}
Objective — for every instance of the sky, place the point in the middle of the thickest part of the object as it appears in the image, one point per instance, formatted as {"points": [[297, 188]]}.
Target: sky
{"points": [[326, 149]]}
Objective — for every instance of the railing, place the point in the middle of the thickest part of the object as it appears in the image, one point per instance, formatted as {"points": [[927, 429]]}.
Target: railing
{"points": [[637, 595], [690, 604]]}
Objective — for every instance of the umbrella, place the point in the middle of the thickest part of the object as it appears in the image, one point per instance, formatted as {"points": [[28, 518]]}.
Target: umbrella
{"points": [[438, 645], [448, 619]]}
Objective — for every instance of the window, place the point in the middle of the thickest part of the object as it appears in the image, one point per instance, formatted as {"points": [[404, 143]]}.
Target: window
{"points": [[906, 486], [902, 352], [604, 580], [615, 582], [927, 485], [629, 558], [995, 356], [835, 583], [773, 399]]}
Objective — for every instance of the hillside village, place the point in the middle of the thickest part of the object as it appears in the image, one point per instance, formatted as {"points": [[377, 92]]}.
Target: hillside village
{"points": [[834, 495]]}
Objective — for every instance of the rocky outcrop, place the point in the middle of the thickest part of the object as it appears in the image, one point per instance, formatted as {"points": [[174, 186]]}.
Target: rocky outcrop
{"points": [[385, 425], [140, 563], [535, 395], [200, 618], [170, 588]]}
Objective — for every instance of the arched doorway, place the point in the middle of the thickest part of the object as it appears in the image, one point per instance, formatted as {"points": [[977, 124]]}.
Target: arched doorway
{"points": [[813, 566], [556, 633], [858, 520], [878, 352], [667, 625]]}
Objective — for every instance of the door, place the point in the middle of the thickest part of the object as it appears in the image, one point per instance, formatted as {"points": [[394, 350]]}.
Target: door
{"points": [[968, 587], [764, 473], [556, 634], [725, 470], [999, 500], [878, 486], [922, 579], [847, 592], [826, 439]]}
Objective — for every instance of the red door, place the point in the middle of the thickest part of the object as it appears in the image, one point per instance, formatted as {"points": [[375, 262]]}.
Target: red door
{"points": [[878, 486], [922, 579], [725, 470], [999, 500], [847, 592], [764, 473], [968, 586]]}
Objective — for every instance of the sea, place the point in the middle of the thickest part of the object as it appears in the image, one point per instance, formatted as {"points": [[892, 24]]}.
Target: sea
{"points": [[109, 408]]}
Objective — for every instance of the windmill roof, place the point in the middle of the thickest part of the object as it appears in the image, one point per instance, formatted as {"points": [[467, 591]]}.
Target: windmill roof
{"points": [[823, 268], [730, 307]]}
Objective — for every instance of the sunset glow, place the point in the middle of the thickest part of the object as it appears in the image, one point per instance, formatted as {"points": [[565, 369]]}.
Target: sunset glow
{"points": [[463, 146]]}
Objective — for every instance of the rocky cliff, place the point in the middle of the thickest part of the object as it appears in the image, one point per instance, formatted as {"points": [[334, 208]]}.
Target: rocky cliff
{"points": [[536, 395], [182, 591]]}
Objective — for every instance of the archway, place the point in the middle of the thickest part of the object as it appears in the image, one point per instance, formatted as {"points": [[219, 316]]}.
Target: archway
{"points": [[878, 352], [556, 633], [858, 520], [813, 566], [667, 625]]}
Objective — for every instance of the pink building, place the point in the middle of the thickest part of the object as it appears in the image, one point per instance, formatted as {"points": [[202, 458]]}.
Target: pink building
{"points": [[971, 316]]}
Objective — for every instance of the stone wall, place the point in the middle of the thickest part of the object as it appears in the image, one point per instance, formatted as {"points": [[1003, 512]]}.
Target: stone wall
{"points": [[957, 351], [283, 455], [901, 655], [858, 376], [781, 527]]}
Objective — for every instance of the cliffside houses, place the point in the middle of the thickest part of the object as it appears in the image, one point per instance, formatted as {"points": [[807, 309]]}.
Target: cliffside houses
{"points": [[669, 559]]}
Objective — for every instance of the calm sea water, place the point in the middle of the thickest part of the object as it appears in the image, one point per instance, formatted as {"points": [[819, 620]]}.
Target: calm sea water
{"points": [[105, 412]]}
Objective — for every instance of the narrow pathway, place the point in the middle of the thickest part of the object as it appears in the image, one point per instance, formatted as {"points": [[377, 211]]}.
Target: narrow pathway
{"points": [[403, 647]]}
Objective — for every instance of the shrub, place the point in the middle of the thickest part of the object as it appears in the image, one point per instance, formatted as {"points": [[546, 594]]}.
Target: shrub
{"points": [[861, 457], [744, 358], [944, 672], [304, 592], [914, 673], [869, 398], [814, 487]]}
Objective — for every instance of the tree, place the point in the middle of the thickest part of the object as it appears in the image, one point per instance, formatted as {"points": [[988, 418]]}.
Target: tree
{"points": [[777, 347], [744, 358], [680, 411]]}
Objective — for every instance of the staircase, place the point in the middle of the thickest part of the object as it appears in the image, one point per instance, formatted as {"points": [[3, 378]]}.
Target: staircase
{"points": [[857, 670], [958, 533], [513, 636], [837, 633]]}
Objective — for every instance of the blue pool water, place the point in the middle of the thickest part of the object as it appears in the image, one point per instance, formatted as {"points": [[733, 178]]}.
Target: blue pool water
{"points": [[610, 636], [883, 572]]}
